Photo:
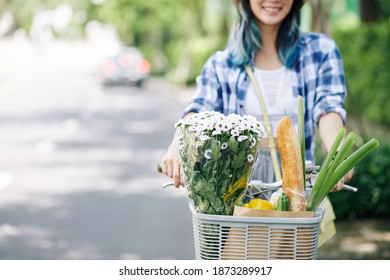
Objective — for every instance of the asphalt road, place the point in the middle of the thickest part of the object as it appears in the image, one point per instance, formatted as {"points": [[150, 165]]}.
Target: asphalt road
{"points": [[78, 161]]}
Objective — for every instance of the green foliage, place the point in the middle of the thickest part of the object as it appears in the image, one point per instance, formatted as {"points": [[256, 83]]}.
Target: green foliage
{"points": [[201, 50], [24, 11], [366, 56], [176, 36], [164, 30], [372, 179], [383, 9]]}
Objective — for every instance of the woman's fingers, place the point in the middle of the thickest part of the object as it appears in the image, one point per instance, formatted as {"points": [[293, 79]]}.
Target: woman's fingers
{"points": [[346, 178], [339, 186], [167, 167], [176, 174], [172, 167], [349, 175]]}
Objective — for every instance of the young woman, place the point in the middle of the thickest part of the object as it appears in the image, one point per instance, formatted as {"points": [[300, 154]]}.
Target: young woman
{"points": [[286, 63]]}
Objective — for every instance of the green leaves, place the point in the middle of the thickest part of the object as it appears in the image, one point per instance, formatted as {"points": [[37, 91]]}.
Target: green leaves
{"points": [[366, 63], [233, 144], [215, 150], [224, 173], [239, 160]]}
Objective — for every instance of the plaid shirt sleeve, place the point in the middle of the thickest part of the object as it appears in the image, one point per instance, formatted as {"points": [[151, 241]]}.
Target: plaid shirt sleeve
{"points": [[330, 89], [321, 79]]}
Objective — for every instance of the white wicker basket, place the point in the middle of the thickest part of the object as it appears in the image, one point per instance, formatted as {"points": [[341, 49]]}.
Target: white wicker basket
{"points": [[231, 237]]}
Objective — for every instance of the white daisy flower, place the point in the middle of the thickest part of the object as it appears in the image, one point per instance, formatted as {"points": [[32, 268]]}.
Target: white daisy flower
{"points": [[224, 146], [250, 158], [204, 138], [207, 154], [253, 141], [192, 128], [242, 138], [235, 132], [226, 126], [198, 144]]}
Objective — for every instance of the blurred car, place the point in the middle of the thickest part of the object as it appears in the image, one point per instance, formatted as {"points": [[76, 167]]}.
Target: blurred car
{"points": [[128, 67]]}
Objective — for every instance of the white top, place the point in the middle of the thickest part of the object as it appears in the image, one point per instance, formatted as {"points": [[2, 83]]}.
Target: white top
{"points": [[278, 96]]}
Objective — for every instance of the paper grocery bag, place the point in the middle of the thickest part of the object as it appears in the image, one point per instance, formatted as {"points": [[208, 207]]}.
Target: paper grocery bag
{"points": [[250, 212], [264, 241]]}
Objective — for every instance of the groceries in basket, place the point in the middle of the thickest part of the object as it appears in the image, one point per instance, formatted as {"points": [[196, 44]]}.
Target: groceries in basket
{"points": [[218, 154], [338, 162], [279, 228]]}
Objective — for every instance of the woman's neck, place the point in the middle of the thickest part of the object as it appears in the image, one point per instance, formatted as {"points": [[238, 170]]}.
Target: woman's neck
{"points": [[267, 57]]}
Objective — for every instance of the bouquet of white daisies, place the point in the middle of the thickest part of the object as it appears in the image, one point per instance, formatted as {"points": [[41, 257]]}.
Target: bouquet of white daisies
{"points": [[218, 154]]}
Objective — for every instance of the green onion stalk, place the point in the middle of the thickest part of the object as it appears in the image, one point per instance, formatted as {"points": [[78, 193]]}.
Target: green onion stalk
{"points": [[337, 164], [301, 134]]}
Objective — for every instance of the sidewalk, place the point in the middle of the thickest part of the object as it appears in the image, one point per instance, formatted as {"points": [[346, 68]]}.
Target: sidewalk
{"points": [[358, 240]]}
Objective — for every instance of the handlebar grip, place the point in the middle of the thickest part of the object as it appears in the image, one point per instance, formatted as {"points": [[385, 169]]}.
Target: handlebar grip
{"points": [[349, 188]]}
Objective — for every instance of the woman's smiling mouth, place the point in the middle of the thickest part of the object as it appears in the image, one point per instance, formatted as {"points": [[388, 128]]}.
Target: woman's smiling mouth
{"points": [[272, 9]]}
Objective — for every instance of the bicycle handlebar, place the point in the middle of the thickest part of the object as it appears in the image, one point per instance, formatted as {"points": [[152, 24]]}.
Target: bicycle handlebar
{"points": [[311, 173]]}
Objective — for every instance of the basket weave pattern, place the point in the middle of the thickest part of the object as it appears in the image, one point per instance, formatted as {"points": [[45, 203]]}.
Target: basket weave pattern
{"points": [[234, 238]]}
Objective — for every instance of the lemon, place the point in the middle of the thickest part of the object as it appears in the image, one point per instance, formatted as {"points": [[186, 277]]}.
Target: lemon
{"points": [[246, 205], [260, 204]]}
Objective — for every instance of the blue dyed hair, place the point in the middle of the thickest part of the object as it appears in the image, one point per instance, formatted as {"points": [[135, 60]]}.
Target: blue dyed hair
{"points": [[245, 38]]}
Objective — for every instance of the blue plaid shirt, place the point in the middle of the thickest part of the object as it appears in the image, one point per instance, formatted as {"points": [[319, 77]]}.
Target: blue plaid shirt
{"points": [[318, 76]]}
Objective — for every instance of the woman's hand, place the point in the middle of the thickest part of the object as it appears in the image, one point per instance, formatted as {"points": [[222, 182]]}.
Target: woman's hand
{"points": [[343, 180], [171, 164]]}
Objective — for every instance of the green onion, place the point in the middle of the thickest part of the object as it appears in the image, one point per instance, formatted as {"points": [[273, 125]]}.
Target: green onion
{"points": [[339, 157], [336, 165], [301, 132], [353, 160], [315, 194]]}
